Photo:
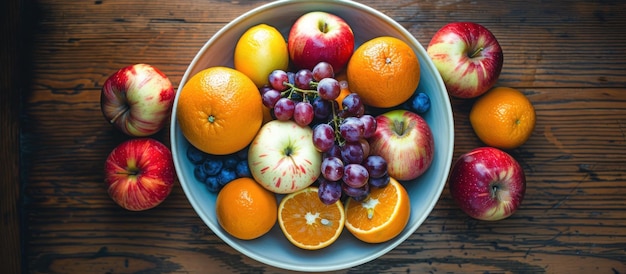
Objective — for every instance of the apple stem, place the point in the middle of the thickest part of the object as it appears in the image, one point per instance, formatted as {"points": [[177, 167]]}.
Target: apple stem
{"points": [[119, 113], [398, 127], [476, 52], [323, 27]]}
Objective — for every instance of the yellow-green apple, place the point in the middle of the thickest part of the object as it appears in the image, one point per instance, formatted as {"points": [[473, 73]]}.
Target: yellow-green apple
{"points": [[137, 99], [468, 57], [139, 173], [404, 139], [487, 183], [282, 157], [320, 36]]}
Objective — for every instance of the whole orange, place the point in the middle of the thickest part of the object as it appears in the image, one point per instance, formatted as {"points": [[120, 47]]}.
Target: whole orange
{"points": [[384, 72], [503, 118], [219, 110], [245, 209]]}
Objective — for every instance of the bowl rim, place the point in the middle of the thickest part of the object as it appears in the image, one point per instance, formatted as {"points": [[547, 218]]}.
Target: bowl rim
{"points": [[390, 245]]}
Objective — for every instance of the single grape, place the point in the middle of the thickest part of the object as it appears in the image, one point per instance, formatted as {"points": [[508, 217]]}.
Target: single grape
{"points": [[284, 109], [355, 175], [329, 192], [323, 70], [334, 151], [323, 137], [332, 168], [303, 113], [277, 80], [420, 103], [303, 79], [351, 129], [195, 155], [379, 182], [322, 109], [353, 105], [376, 166], [269, 97], [242, 169], [369, 125], [328, 88], [352, 153], [356, 193]]}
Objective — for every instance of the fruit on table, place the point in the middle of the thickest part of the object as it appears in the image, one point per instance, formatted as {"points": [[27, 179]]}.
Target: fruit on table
{"points": [[246, 210], [139, 173], [487, 183], [259, 51], [468, 57], [405, 140], [320, 37], [503, 117], [307, 222], [381, 216], [137, 99], [219, 110], [384, 71], [282, 157]]}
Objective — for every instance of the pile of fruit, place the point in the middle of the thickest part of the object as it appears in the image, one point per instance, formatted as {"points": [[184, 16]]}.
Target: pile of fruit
{"points": [[310, 136], [318, 135]]}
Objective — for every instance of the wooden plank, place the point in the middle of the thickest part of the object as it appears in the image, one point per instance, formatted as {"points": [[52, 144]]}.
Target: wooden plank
{"points": [[11, 72], [560, 51]]}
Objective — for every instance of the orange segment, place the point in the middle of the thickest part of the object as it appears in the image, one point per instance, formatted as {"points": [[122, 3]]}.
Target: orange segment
{"points": [[503, 118], [384, 72], [381, 216], [307, 222], [219, 110], [245, 209]]}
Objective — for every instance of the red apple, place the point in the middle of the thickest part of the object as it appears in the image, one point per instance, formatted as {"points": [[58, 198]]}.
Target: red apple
{"points": [[282, 157], [468, 57], [137, 99], [139, 173], [487, 183], [320, 36], [404, 139]]}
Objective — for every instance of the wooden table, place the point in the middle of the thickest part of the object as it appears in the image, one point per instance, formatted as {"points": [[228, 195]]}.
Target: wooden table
{"points": [[568, 57]]}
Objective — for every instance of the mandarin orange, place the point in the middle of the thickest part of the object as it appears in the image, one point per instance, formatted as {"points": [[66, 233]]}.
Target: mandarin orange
{"points": [[503, 118], [384, 72], [219, 110], [245, 209]]}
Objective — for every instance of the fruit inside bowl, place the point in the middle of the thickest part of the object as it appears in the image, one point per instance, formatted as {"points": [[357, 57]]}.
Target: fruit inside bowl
{"points": [[273, 248]]}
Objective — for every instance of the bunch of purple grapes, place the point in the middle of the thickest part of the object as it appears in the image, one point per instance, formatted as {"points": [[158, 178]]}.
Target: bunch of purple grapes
{"points": [[309, 98], [303, 96]]}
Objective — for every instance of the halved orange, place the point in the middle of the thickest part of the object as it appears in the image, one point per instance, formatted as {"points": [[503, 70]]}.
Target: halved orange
{"points": [[307, 222], [381, 216]]}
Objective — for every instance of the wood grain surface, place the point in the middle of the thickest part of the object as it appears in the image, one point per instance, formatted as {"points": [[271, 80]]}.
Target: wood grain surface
{"points": [[568, 57]]}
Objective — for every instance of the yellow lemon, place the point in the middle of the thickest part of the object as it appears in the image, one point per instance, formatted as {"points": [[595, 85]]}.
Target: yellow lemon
{"points": [[259, 51]]}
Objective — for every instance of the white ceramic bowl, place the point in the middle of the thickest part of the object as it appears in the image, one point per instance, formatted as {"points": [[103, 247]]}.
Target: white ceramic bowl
{"points": [[273, 248]]}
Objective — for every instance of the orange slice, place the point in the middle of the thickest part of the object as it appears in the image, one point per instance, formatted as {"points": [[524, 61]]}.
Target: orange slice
{"points": [[307, 222], [381, 216]]}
